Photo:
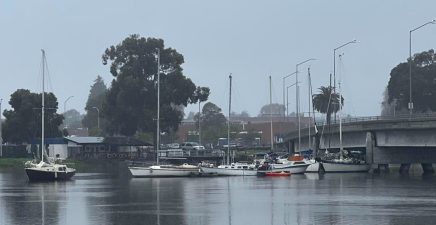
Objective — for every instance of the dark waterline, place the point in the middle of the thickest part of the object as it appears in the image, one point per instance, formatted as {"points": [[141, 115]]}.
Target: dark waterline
{"points": [[114, 198]]}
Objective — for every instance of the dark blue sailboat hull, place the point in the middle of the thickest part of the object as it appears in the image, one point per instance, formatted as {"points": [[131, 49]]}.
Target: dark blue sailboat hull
{"points": [[40, 175]]}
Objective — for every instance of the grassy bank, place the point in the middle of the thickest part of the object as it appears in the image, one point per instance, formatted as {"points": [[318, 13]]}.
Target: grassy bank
{"points": [[81, 166], [13, 162]]}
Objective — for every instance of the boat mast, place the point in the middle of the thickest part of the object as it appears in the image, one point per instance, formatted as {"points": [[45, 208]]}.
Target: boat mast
{"points": [[43, 106], [270, 114], [308, 89], [228, 121], [158, 108], [341, 149]]}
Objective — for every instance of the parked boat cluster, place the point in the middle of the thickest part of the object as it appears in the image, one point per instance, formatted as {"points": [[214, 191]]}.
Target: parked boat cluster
{"points": [[267, 167]]}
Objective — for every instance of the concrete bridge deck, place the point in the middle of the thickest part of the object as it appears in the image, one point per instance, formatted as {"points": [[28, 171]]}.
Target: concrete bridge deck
{"points": [[386, 140]]}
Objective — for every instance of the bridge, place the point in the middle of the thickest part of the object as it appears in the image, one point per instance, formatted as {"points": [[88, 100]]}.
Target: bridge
{"points": [[385, 140]]}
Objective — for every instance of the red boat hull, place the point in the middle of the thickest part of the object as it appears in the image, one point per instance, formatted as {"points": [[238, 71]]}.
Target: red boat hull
{"points": [[277, 174]]}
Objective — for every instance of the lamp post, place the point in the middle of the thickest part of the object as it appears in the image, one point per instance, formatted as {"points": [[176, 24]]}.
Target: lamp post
{"points": [[334, 61], [158, 108], [297, 101], [286, 110], [199, 119], [334, 64], [65, 107], [287, 94], [65, 103], [410, 64], [98, 117]]}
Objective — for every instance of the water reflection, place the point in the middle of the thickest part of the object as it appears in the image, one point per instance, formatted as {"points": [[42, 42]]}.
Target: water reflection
{"points": [[300, 199]]}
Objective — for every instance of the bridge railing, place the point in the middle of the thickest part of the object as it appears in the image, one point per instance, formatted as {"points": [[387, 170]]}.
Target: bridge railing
{"points": [[403, 117]]}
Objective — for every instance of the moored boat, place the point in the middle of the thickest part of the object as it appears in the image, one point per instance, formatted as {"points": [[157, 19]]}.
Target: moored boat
{"points": [[49, 172], [278, 174], [291, 167], [343, 166], [46, 170], [184, 170], [234, 169]]}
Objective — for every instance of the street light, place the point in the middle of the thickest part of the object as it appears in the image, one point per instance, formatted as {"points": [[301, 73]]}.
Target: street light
{"points": [[334, 61], [286, 109], [297, 97], [334, 64], [65, 103], [65, 107], [98, 117], [410, 64], [287, 97]]}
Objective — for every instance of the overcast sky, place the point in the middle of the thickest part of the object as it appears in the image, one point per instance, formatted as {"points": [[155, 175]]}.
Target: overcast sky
{"points": [[251, 39]]}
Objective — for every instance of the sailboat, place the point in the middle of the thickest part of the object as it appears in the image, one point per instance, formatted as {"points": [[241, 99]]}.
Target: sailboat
{"points": [[230, 169], [45, 170], [158, 170], [280, 167], [342, 164]]}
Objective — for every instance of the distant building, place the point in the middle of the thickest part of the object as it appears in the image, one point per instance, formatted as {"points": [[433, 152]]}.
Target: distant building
{"points": [[93, 147], [261, 125]]}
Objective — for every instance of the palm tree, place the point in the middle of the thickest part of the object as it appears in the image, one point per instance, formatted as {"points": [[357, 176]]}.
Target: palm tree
{"points": [[327, 102]]}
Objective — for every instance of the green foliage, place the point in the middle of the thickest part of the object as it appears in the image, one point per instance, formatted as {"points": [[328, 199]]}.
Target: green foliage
{"points": [[145, 137], [23, 121], [423, 83], [12, 162], [274, 109], [201, 94], [72, 119], [213, 123], [95, 132], [130, 105], [96, 98], [327, 102]]}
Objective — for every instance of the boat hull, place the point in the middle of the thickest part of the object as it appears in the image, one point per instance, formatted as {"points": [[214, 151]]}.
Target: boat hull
{"points": [[336, 167], [313, 168], [277, 174], [228, 171], [163, 172], [293, 169], [38, 174]]}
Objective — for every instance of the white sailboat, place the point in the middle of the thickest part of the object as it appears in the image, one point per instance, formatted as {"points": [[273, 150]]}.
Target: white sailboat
{"points": [[158, 170], [230, 169], [342, 164], [233, 169], [45, 170]]}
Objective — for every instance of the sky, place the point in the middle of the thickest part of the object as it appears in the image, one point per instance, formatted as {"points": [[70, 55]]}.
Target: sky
{"points": [[252, 39]]}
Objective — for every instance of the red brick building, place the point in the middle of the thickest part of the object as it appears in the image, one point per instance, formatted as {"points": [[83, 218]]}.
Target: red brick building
{"points": [[261, 125]]}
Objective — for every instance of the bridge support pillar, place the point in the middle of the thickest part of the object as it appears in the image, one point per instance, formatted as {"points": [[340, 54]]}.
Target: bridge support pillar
{"points": [[382, 168], [427, 168], [404, 168]]}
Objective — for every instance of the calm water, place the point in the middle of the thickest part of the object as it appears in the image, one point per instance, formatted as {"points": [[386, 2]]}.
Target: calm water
{"points": [[114, 198]]}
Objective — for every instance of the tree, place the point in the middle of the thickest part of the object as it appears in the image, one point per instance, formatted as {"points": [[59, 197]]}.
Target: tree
{"points": [[213, 123], [72, 119], [423, 83], [201, 94], [96, 98], [327, 102], [130, 104], [23, 121], [243, 114], [274, 109]]}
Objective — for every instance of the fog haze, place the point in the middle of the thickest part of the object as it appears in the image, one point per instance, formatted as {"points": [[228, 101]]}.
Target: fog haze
{"points": [[251, 39]]}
